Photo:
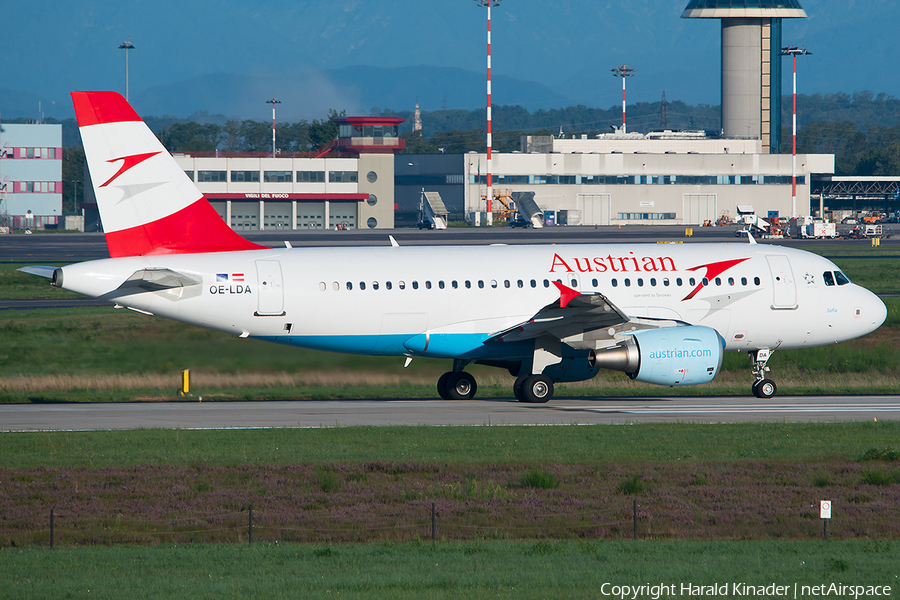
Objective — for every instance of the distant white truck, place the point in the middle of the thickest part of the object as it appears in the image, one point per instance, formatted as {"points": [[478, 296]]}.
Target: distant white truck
{"points": [[810, 228]]}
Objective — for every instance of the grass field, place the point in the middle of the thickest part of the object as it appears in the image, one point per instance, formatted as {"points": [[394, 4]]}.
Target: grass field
{"points": [[420, 570], [103, 354], [549, 486]]}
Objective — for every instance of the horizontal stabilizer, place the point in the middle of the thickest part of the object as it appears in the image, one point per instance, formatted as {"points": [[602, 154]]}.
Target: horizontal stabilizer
{"points": [[38, 270]]}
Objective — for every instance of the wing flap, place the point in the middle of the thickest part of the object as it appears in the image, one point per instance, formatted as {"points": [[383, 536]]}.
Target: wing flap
{"points": [[573, 314]]}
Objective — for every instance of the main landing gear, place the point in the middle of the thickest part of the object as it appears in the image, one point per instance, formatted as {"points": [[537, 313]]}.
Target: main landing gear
{"points": [[763, 387], [459, 385], [533, 388]]}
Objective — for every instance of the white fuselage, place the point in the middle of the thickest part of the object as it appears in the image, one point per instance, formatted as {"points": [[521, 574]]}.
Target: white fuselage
{"points": [[376, 300]]}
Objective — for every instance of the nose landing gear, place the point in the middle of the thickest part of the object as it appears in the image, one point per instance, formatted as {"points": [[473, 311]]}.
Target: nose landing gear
{"points": [[763, 387]]}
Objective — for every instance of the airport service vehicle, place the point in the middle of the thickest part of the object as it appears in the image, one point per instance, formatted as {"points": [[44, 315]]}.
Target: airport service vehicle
{"points": [[660, 313]]}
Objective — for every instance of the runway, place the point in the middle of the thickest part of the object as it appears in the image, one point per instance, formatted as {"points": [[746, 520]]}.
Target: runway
{"points": [[495, 412]]}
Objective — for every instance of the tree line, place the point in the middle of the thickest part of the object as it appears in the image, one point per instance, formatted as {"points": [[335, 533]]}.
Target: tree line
{"points": [[862, 130]]}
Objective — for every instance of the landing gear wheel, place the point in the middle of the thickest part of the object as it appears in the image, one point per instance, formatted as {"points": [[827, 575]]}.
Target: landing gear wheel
{"points": [[442, 387], [518, 386], [461, 386], [537, 389], [764, 388]]}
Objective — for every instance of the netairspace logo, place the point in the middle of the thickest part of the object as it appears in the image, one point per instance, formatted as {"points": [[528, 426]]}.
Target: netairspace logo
{"points": [[742, 590], [678, 353]]}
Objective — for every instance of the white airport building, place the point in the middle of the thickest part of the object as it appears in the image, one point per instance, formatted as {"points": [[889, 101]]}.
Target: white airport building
{"points": [[30, 175], [675, 178]]}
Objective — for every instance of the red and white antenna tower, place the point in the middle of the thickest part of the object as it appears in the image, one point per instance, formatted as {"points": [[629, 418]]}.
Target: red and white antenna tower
{"points": [[794, 51], [489, 208], [623, 71]]}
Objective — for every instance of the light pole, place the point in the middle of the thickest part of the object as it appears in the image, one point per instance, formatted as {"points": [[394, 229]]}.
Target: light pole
{"points": [[794, 51], [489, 208], [126, 46], [273, 102], [623, 71]]}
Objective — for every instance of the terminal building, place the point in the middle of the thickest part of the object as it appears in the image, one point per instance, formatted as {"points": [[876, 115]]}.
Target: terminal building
{"points": [[30, 176], [616, 179]]}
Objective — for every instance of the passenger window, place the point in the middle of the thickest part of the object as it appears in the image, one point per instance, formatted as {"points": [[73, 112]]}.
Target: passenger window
{"points": [[336, 286], [614, 282], [731, 281], [374, 285], [828, 277], [533, 283], [322, 286], [349, 285], [387, 284], [427, 285], [653, 281], [640, 282], [743, 281], [520, 283], [546, 283], [415, 285], [441, 284], [841, 278], [453, 284], [756, 281], [666, 282], [401, 285], [692, 282], [480, 283], [468, 284], [678, 281], [627, 282], [718, 281], [705, 281], [574, 283], [594, 282], [494, 283], [362, 285], [506, 283]]}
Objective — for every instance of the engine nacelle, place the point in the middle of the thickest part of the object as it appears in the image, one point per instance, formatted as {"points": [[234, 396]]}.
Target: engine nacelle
{"points": [[668, 356]]}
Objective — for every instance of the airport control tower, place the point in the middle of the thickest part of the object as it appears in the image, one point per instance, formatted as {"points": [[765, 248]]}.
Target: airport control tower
{"points": [[751, 64]]}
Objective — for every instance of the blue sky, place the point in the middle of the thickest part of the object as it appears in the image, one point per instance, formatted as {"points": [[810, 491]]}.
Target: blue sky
{"points": [[52, 47]]}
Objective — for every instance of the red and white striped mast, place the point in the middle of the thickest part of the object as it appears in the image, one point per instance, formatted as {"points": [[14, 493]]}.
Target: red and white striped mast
{"points": [[489, 208], [623, 71], [794, 51]]}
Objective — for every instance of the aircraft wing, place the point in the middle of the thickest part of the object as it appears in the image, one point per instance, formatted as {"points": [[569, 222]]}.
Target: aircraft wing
{"points": [[572, 315]]}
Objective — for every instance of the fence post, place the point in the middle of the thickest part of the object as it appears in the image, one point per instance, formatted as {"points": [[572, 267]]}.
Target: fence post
{"points": [[250, 527], [432, 522], [634, 519], [52, 527]]}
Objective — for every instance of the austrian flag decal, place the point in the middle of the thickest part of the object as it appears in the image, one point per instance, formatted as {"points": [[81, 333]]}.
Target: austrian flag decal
{"points": [[229, 277]]}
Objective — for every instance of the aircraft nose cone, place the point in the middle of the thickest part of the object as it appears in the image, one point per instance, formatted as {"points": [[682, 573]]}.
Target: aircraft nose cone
{"points": [[878, 312]]}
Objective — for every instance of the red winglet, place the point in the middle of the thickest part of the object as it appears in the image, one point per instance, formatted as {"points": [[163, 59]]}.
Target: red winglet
{"points": [[566, 294]]}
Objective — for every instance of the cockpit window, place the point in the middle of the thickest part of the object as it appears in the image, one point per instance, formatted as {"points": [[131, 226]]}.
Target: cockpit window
{"points": [[841, 278], [828, 277]]}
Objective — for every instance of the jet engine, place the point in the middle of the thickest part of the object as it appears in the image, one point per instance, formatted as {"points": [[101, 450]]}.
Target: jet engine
{"points": [[668, 356]]}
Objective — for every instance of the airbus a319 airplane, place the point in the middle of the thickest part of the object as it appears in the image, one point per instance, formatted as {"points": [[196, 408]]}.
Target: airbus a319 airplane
{"points": [[660, 313]]}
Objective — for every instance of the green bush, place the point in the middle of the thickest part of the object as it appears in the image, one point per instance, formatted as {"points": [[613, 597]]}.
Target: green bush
{"points": [[536, 478]]}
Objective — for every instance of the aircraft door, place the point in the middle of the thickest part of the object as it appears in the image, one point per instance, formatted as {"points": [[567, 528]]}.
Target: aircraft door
{"points": [[270, 288], [783, 288]]}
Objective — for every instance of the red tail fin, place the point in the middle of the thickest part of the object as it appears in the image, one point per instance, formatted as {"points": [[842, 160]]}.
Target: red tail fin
{"points": [[147, 203]]}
